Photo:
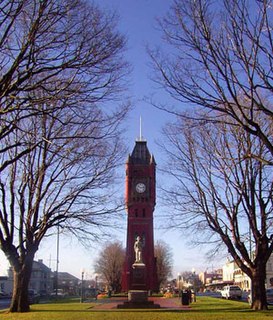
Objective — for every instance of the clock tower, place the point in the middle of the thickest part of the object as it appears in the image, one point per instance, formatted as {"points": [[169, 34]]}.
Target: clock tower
{"points": [[140, 268]]}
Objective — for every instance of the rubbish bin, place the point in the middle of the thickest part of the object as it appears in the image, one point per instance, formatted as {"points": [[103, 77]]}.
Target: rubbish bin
{"points": [[185, 298]]}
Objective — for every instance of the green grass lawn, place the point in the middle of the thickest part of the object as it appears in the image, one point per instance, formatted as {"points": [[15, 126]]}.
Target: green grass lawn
{"points": [[204, 308]]}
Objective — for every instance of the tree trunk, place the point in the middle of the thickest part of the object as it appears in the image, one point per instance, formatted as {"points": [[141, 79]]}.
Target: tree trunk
{"points": [[258, 292], [21, 278]]}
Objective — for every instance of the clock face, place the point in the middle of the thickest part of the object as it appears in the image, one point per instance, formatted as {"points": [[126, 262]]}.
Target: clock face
{"points": [[140, 187]]}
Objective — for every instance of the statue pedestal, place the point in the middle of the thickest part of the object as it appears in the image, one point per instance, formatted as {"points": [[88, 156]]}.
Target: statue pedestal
{"points": [[138, 299], [137, 296]]}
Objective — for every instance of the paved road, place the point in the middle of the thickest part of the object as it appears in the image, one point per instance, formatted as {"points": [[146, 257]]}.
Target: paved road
{"points": [[218, 295]]}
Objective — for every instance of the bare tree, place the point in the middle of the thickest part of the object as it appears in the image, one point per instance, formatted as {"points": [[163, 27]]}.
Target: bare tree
{"points": [[164, 261], [221, 196], [59, 145], [65, 182], [110, 264], [217, 53], [54, 51]]}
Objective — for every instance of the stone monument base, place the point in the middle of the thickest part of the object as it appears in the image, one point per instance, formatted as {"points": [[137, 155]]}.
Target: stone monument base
{"points": [[138, 299]]}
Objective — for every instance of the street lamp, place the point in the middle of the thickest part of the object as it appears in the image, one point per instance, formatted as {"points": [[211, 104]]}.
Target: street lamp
{"points": [[179, 281], [194, 285], [96, 282]]}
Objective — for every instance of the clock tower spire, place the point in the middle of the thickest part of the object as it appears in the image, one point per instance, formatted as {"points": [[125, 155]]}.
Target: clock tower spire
{"points": [[140, 129], [140, 199]]}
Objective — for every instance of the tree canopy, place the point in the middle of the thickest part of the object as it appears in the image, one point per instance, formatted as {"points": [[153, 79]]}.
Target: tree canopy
{"points": [[218, 56], [217, 65], [221, 194], [109, 264], [164, 262], [54, 54], [60, 138]]}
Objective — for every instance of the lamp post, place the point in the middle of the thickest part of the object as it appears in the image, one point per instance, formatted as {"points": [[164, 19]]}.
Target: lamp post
{"points": [[194, 285], [96, 286], [179, 281], [96, 282]]}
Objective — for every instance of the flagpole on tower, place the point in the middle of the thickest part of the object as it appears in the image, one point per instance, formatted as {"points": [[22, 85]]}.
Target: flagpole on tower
{"points": [[140, 129]]}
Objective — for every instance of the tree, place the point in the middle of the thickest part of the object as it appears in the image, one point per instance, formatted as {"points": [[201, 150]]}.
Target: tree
{"points": [[217, 54], [110, 264], [221, 195], [53, 51], [66, 183], [59, 146], [164, 261]]}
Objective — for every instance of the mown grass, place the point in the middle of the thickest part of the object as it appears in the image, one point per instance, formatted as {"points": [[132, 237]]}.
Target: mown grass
{"points": [[205, 308]]}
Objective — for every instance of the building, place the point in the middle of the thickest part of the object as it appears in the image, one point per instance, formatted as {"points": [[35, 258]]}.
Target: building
{"points": [[269, 272], [140, 202], [68, 283], [41, 278], [228, 271], [187, 280], [232, 272], [242, 280], [44, 281], [6, 285], [213, 277]]}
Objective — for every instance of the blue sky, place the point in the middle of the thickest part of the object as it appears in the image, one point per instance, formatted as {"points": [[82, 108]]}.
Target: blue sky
{"points": [[138, 23]]}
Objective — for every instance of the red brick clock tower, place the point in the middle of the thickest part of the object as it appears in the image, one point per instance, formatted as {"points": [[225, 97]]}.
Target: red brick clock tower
{"points": [[140, 203]]}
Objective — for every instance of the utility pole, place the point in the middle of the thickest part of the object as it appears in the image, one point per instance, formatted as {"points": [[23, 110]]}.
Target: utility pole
{"points": [[57, 259], [82, 288]]}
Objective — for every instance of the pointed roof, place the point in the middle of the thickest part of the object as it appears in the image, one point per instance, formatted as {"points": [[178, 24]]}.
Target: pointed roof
{"points": [[141, 154]]}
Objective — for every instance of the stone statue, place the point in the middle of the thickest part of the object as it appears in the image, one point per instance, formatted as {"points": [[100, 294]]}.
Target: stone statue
{"points": [[138, 250]]}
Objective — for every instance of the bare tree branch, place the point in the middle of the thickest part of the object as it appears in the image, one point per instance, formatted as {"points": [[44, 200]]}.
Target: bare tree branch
{"points": [[221, 194], [55, 51], [217, 54], [61, 65]]}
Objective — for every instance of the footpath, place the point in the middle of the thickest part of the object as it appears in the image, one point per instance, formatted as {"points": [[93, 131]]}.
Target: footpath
{"points": [[165, 303]]}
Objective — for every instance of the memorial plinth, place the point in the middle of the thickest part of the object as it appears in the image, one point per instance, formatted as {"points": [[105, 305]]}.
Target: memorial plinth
{"points": [[137, 296], [138, 299]]}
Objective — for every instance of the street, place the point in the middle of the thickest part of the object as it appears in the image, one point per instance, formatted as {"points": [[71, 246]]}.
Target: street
{"points": [[216, 294]]}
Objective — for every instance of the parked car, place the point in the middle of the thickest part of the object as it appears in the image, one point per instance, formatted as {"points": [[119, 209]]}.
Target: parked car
{"points": [[59, 293], [43, 293], [33, 296], [231, 292], [92, 293], [269, 296], [3, 294]]}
